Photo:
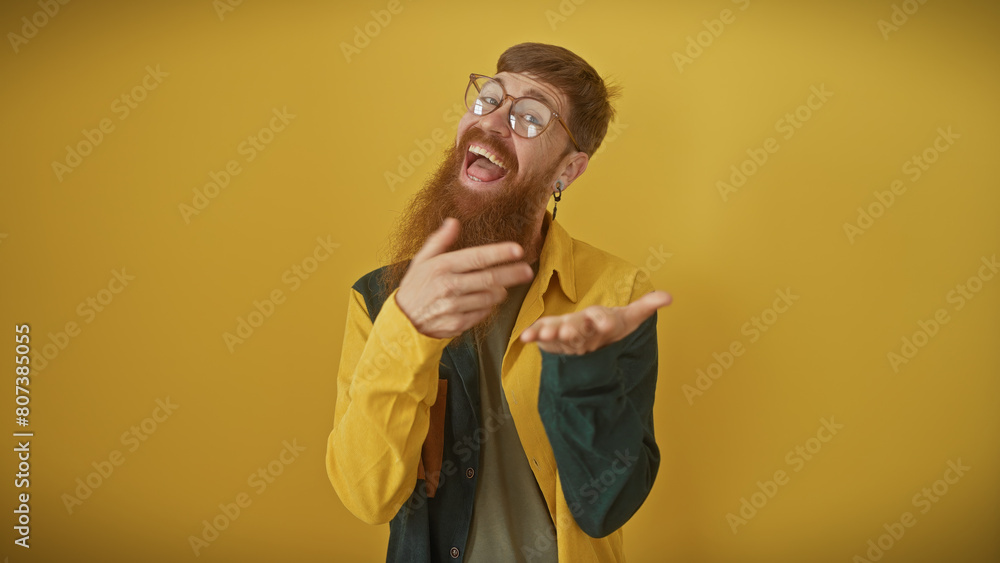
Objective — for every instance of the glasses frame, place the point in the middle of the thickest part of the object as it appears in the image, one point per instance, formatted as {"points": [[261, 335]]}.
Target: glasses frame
{"points": [[510, 112]]}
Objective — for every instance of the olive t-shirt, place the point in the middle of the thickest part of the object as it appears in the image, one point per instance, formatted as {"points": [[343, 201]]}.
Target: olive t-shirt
{"points": [[510, 520]]}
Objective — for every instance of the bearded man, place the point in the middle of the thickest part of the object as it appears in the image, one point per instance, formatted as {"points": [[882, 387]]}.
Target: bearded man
{"points": [[496, 383]]}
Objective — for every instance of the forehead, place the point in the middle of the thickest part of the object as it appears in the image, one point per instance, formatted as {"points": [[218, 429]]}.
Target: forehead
{"points": [[520, 84]]}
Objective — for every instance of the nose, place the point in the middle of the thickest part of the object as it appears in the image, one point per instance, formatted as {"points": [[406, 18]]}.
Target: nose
{"points": [[496, 122]]}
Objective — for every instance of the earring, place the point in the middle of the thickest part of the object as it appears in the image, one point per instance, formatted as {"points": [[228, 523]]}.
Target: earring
{"points": [[557, 196]]}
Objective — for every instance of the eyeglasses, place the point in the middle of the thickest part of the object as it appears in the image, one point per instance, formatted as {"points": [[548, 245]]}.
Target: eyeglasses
{"points": [[527, 117]]}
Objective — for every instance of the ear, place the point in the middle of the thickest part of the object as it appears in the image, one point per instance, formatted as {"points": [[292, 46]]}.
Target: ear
{"points": [[575, 165]]}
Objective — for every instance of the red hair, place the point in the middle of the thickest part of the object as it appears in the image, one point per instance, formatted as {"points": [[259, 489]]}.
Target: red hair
{"points": [[590, 109]]}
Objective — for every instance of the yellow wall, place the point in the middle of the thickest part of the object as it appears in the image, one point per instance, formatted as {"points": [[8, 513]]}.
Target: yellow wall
{"points": [[209, 79]]}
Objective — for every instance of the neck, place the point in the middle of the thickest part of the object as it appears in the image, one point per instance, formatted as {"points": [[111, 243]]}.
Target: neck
{"points": [[534, 250]]}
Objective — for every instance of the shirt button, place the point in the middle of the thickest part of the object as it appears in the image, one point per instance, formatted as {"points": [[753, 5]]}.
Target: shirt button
{"points": [[454, 553], [470, 473]]}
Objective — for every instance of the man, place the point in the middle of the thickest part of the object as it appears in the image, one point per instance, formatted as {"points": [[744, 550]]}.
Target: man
{"points": [[496, 383]]}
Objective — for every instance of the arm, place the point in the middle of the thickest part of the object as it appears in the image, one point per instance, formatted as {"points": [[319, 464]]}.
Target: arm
{"points": [[597, 409], [386, 385], [388, 377]]}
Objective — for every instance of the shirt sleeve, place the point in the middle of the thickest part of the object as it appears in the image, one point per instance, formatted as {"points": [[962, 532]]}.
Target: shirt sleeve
{"points": [[386, 385], [597, 410]]}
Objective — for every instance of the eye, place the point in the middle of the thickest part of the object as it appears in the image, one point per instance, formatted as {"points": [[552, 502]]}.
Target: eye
{"points": [[491, 93], [532, 113], [532, 119]]}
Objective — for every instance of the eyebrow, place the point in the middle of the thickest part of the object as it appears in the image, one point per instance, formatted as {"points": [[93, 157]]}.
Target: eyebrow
{"points": [[533, 93]]}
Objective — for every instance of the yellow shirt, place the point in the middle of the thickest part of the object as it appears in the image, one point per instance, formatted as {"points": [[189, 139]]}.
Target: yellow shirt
{"points": [[592, 412]]}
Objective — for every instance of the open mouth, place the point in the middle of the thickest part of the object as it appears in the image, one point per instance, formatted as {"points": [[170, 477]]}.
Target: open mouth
{"points": [[482, 166]]}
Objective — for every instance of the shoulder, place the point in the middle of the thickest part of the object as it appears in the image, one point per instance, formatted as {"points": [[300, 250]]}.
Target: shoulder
{"points": [[372, 287], [618, 280], [371, 282], [586, 255]]}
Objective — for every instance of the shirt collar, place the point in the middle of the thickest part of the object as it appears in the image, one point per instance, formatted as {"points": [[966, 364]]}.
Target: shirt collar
{"points": [[557, 259]]}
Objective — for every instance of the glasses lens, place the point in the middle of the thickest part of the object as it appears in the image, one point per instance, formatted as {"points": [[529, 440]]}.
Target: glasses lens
{"points": [[483, 96], [530, 117]]}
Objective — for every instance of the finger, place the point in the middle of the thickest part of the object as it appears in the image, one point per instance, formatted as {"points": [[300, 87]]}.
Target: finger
{"points": [[507, 275], [531, 334], [640, 309], [456, 303], [545, 328], [467, 320], [454, 324], [478, 301], [558, 347], [598, 319], [550, 329], [439, 241], [572, 334], [482, 257]]}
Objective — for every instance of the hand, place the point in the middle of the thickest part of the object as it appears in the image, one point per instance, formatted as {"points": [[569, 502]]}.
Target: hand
{"points": [[594, 327], [445, 293]]}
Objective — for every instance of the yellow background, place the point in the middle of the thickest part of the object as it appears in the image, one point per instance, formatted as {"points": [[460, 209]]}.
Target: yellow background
{"points": [[653, 185]]}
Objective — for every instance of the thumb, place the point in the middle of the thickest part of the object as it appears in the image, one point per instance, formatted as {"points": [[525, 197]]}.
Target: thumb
{"points": [[439, 241], [640, 309]]}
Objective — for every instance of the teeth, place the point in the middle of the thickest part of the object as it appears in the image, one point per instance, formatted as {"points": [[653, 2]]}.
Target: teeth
{"points": [[476, 149]]}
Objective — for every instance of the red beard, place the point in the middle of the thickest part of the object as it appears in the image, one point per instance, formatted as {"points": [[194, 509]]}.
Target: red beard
{"points": [[508, 211]]}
